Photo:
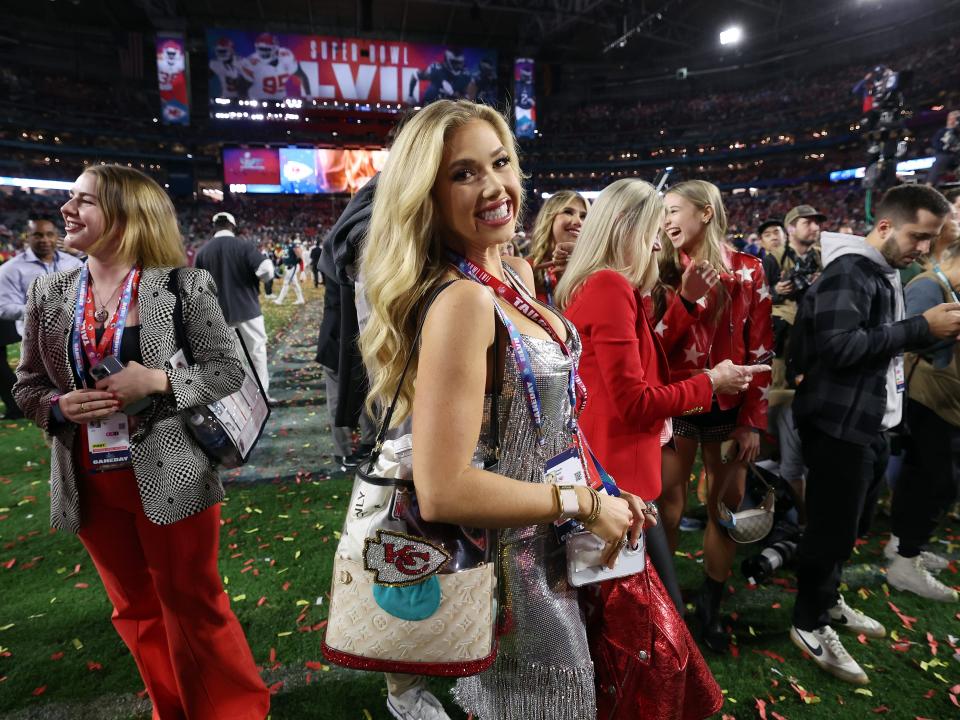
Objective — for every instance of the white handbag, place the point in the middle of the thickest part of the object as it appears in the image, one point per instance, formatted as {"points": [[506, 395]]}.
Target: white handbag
{"points": [[410, 596]]}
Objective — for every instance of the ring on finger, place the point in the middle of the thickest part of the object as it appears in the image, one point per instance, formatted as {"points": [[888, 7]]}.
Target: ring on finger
{"points": [[83, 407]]}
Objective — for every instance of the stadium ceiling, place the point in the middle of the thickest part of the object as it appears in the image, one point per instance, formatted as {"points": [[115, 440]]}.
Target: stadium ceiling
{"points": [[640, 33]]}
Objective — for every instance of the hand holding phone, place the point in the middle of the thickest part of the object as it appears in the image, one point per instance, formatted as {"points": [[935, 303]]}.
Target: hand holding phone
{"points": [[131, 384]]}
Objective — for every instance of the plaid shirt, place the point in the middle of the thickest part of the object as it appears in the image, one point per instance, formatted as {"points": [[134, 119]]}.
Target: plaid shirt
{"points": [[843, 341]]}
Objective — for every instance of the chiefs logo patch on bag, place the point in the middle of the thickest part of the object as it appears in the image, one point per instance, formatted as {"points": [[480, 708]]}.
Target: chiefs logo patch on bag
{"points": [[398, 559]]}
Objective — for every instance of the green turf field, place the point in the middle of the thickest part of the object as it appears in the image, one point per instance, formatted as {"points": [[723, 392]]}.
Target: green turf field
{"points": [[60, 658]]}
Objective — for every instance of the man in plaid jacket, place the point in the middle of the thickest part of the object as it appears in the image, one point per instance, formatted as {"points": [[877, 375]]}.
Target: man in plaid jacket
{"points": [[850, 337]]}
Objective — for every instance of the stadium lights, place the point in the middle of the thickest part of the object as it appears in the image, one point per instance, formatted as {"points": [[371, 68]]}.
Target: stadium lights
{"points": [[36, 183], [731, 36]]}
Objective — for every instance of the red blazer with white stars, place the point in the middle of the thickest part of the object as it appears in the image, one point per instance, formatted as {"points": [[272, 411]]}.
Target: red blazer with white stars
{"points": [[743, 332]]}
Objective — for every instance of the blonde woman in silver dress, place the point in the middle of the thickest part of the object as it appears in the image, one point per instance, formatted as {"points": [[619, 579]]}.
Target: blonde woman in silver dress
{"points": [[450, 193]]}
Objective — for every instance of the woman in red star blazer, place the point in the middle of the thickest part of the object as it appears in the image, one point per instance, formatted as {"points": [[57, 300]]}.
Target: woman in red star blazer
{"points": [[734, 324]]}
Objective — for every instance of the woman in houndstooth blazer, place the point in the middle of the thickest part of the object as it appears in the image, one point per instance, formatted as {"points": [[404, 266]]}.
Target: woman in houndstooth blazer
{"points": [[125, 473]]}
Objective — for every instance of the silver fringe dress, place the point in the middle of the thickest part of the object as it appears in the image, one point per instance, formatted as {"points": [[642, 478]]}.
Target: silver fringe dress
{"points": [[543, 670]]}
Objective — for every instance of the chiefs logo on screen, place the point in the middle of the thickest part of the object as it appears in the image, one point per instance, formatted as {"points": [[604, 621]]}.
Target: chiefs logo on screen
{"points": [[396, 558]]}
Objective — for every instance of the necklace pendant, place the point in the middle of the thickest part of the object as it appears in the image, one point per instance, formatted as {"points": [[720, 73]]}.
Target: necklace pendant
{"points": [[101, 315]]}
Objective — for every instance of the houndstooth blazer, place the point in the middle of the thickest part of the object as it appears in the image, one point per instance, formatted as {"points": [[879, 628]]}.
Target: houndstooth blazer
{"points": [[174, 475]]}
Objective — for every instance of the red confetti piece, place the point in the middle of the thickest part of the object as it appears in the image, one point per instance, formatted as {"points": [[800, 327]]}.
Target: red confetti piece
{"points": [[314, 665], [932, 642], [10, 563], [57, 656], [142, 694], [880, 709], [273, 655], [39, 690], [929, 693], [286, 586], [81, 586], [93, 666], [776, 606], [261, 601], [734, 651], [905, 619], [761, 708], [862, 639], [777, 716], [275, 688], [770, 654]]}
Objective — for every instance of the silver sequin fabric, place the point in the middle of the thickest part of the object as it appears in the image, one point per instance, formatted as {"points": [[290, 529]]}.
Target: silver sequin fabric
{"points": [[543, 670]]}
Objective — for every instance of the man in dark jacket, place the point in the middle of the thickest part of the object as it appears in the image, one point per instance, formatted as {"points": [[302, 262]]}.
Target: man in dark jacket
{"points": [[851, 334]]}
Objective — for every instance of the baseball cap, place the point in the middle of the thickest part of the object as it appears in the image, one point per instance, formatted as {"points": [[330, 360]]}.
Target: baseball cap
{"points": [[225, 216], [769, 222], [803, 211]]}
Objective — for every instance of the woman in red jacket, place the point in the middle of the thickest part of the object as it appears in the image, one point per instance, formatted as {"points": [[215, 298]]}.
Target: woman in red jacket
{"points": [[733, 324], [604, 291]]}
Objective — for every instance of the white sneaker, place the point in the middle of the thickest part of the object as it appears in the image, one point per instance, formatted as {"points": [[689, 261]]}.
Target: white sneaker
{"points": [[854, 620], [300, 302], [933, 562], [417, 703], [912, 575], [826, 650]]}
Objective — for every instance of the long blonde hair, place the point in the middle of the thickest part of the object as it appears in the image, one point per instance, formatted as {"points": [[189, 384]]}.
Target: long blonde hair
{"points": [[702, 194], [404, 255], [541, 240], [139, 216], [618, 235]]}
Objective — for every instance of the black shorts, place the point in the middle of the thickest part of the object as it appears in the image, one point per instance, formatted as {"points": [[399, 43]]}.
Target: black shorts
{"points": [[712, 426]]}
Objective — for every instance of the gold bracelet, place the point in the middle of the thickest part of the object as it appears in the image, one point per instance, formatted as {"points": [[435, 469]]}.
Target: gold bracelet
{"points": [[594, 508]]}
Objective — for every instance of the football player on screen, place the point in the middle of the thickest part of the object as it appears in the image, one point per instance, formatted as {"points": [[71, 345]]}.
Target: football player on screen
{"points": [[486, 82], [170, 64], [269, 68], [226, 67], [449, 80]]}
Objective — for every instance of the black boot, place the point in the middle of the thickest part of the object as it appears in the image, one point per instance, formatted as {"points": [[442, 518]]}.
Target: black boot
{"points": [[713, 634]]}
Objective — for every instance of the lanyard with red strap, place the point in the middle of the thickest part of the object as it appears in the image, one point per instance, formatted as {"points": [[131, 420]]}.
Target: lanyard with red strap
{"points": [[576, 390], [84, 331]]}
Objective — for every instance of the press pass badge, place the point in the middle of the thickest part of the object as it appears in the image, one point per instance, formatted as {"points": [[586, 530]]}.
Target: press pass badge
{"points": [[899, 374], [109, 442]]}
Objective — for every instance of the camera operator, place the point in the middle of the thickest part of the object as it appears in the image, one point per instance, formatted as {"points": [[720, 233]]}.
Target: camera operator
{"points": [[946, 148], [790, 272], [850, 335]]}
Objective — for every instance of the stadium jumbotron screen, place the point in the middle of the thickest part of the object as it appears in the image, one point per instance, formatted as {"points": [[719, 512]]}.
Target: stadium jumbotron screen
{"points": [[299, 170], [250, 69]]}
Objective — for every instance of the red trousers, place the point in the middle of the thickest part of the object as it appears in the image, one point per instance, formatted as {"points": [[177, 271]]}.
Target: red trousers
{"points": [[169, 606]]}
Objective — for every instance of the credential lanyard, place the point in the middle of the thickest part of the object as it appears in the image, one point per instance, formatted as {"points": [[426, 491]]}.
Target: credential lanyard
{"points": [[943, 279], [524, 365], [84, 335]]}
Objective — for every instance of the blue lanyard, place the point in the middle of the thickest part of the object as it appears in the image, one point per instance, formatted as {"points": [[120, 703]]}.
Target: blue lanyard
{"points": [[520, 354], [78, 319]]}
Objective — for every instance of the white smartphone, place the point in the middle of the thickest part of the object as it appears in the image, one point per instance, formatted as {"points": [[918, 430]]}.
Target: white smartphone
{"points": [[585, 559]]}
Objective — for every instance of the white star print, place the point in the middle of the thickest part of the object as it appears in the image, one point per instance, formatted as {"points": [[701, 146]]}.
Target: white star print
{"points": [[765, 393], [692, 355], [760, 351], [746, 274], [763, 292], [661, 328], [702, 302]]}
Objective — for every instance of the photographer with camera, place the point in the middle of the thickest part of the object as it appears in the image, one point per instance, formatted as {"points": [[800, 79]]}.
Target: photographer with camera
{"points": [[789, 274], [946, 148]]}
